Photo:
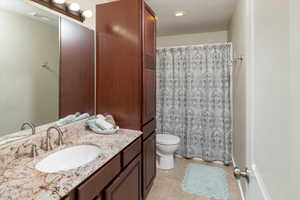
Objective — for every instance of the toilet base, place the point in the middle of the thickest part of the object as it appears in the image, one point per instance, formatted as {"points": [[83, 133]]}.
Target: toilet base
{"points": [[165, 161]]}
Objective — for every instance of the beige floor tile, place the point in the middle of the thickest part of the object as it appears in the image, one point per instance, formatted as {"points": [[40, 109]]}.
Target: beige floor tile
{"points": [[167, 184]]}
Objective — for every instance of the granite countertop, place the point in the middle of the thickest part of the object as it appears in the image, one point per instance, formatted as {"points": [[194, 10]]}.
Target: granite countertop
{"points": [[20, 180]]}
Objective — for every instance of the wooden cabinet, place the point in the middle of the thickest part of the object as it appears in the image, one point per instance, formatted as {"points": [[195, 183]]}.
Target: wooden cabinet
{"points": [[93, 187], [76, 75], [119, 50], [67, 198], [149, 74], [125, 72], [149, 98], [125, 75], [119, 179], [149, 163], [128, 185], [131, 152]]}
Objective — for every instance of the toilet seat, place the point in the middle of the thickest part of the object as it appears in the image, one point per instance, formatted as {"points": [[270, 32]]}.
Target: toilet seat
{"points": [[167, 139]]}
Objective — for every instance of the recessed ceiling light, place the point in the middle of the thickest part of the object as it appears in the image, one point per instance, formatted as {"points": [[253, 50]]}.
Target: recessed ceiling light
{"points": [[59, 1], [74, 7], [87, 13], [179, 13]]}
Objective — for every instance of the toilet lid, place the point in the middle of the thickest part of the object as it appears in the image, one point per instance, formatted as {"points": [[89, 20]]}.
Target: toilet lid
{"points": [[167, 139]]}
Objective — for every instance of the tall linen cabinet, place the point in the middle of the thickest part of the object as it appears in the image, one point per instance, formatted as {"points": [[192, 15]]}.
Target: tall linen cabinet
{"points": [[125, 73]]}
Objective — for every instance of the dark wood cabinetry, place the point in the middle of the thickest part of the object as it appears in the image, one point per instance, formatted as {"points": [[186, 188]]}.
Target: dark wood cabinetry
{"points": [[128, 184], [149, 98], [119, 50], [93, 187], [119, 179], [126, 62], [76, 82], [126, 76], [149, 60], [149, 163]]}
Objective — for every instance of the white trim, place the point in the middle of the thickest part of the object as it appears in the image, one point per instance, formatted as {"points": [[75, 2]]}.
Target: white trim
{"points": [[242, 192], [261, 184]]}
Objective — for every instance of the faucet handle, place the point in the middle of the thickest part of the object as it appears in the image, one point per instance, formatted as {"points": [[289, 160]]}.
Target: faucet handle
{"points": [[29, 124], [34, 151], [48, 144], [60, 137]]}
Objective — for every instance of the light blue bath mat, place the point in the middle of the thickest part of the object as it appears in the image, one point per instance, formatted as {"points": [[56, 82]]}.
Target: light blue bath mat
{"points": [[205, 181]]}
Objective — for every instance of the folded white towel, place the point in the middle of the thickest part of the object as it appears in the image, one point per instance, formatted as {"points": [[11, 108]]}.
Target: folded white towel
{"points": [[103, 124], [66, 120], [82, 116], [99, 116]]}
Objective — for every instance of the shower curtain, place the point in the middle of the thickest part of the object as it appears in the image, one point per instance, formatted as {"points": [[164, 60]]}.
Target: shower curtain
{"points": [[194, 99]]}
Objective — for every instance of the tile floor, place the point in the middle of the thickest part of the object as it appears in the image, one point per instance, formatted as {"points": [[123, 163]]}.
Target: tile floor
{"points": [[167, 184]]}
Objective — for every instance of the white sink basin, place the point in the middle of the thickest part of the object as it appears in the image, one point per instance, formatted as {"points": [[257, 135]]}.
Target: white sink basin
{"points": [[69, 158]]}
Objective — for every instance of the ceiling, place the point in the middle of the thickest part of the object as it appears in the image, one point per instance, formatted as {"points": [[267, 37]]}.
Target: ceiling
{"points": [[24, 8], [201, 15]]}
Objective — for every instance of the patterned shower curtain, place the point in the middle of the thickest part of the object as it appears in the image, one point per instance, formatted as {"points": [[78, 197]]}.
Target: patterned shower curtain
{"points": [[194, 99]]}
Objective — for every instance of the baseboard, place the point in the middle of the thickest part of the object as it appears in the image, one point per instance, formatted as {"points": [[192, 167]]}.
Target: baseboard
{"points": [[261, 184], [242, 192], [256, 181]]}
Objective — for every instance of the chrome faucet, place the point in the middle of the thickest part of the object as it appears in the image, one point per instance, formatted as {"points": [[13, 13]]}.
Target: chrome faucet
{"points": [[34, 152], [60, 137], [31, 125]]}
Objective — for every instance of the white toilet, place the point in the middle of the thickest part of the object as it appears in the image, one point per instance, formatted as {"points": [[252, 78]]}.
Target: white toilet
{"points": [[166, 146]]}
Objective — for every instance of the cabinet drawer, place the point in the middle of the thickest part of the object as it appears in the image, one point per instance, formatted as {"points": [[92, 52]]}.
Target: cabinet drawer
{"points": [[149, 128], [97, 182], [132, 151]]}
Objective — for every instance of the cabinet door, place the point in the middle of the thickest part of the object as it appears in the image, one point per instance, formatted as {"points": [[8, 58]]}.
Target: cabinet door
{"points": [[149, 74], [119, 59], [149, 101], [149, 163], [128, 185]]}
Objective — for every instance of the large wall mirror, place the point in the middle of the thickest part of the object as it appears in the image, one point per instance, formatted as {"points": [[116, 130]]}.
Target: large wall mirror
{"points": [[46, 64]]}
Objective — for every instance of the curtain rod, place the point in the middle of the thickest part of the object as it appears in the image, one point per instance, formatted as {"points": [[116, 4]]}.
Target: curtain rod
{"points": [[196, 45]]}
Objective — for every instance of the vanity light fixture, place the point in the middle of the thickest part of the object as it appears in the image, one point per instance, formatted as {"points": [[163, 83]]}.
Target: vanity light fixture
{"points": [[68, 9], [87, 13], [59, 1], [74, 7], [180, 13]]}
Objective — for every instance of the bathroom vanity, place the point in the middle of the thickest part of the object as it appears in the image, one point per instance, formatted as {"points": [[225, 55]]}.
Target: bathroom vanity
{"points": [[119, 179], [114, 174]]}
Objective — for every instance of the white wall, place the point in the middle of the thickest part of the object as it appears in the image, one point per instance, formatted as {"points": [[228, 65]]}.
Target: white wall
{"points": [[28, 91], [237, 34], [271, 125], [272, 95], [192, 39], [295, 92]]}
